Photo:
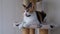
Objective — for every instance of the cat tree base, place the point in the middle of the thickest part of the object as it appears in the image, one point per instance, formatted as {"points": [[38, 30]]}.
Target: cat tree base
{"points": [[43, 30], [32, 31]]}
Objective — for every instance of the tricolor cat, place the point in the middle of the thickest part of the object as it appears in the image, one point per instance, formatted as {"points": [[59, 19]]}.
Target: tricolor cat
{"points": [[32, 18]]}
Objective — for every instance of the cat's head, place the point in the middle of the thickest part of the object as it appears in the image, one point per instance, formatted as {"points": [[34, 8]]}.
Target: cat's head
{"points": [[28, 9]]}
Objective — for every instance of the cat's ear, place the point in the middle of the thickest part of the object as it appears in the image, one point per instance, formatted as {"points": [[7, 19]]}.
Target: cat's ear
{"points": [[30, 5], [24, 6]]}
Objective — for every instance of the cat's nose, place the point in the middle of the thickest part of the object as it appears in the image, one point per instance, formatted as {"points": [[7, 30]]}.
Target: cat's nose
{"points": [[26, 14]]}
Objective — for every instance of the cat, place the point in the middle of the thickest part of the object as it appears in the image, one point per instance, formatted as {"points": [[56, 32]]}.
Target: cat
{"points": [[32, 18]]}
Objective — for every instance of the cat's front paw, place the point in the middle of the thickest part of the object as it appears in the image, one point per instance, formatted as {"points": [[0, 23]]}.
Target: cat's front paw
{"points": [[15, 24]]}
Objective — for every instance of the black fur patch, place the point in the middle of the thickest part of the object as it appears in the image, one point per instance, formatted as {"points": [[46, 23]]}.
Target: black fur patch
{"points": [[28, 15], [43, 15], [30, 5]]}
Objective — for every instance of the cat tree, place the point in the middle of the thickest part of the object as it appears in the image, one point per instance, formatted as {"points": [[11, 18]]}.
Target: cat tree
{"points": [[31, 30]]}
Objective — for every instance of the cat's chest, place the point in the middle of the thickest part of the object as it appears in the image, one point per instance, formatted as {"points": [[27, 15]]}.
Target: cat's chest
{"points": [[32, 18]]}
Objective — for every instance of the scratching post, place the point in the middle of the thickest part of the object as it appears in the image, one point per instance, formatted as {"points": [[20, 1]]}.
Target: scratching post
{"points": [[43, 31], [28, 31], [25, 31], [32, 31]]}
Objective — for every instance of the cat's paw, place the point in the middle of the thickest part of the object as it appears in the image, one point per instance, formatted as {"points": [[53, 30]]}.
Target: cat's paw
{"points": [[15, 24]]}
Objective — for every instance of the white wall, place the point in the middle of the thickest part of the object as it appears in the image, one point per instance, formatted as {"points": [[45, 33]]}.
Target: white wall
{"points": [[8, 16], [53, 13], [8, 11], [0, 18], [11, 11]]}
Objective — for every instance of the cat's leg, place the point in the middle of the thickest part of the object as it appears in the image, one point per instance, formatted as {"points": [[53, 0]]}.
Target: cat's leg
{"points": [[21, 25], [26, 25]]}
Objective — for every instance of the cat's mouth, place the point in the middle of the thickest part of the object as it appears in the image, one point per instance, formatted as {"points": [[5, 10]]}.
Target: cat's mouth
{"points": [[28, 15]]}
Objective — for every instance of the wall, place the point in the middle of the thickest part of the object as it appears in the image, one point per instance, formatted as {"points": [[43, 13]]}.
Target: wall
{"points": [[0, 18], [8, 16], [7, 13], [53, 14]]}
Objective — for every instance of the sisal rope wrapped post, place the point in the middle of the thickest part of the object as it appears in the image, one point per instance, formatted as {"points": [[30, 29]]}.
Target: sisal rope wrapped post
{"points": [[32, 31], [25, 31]]}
